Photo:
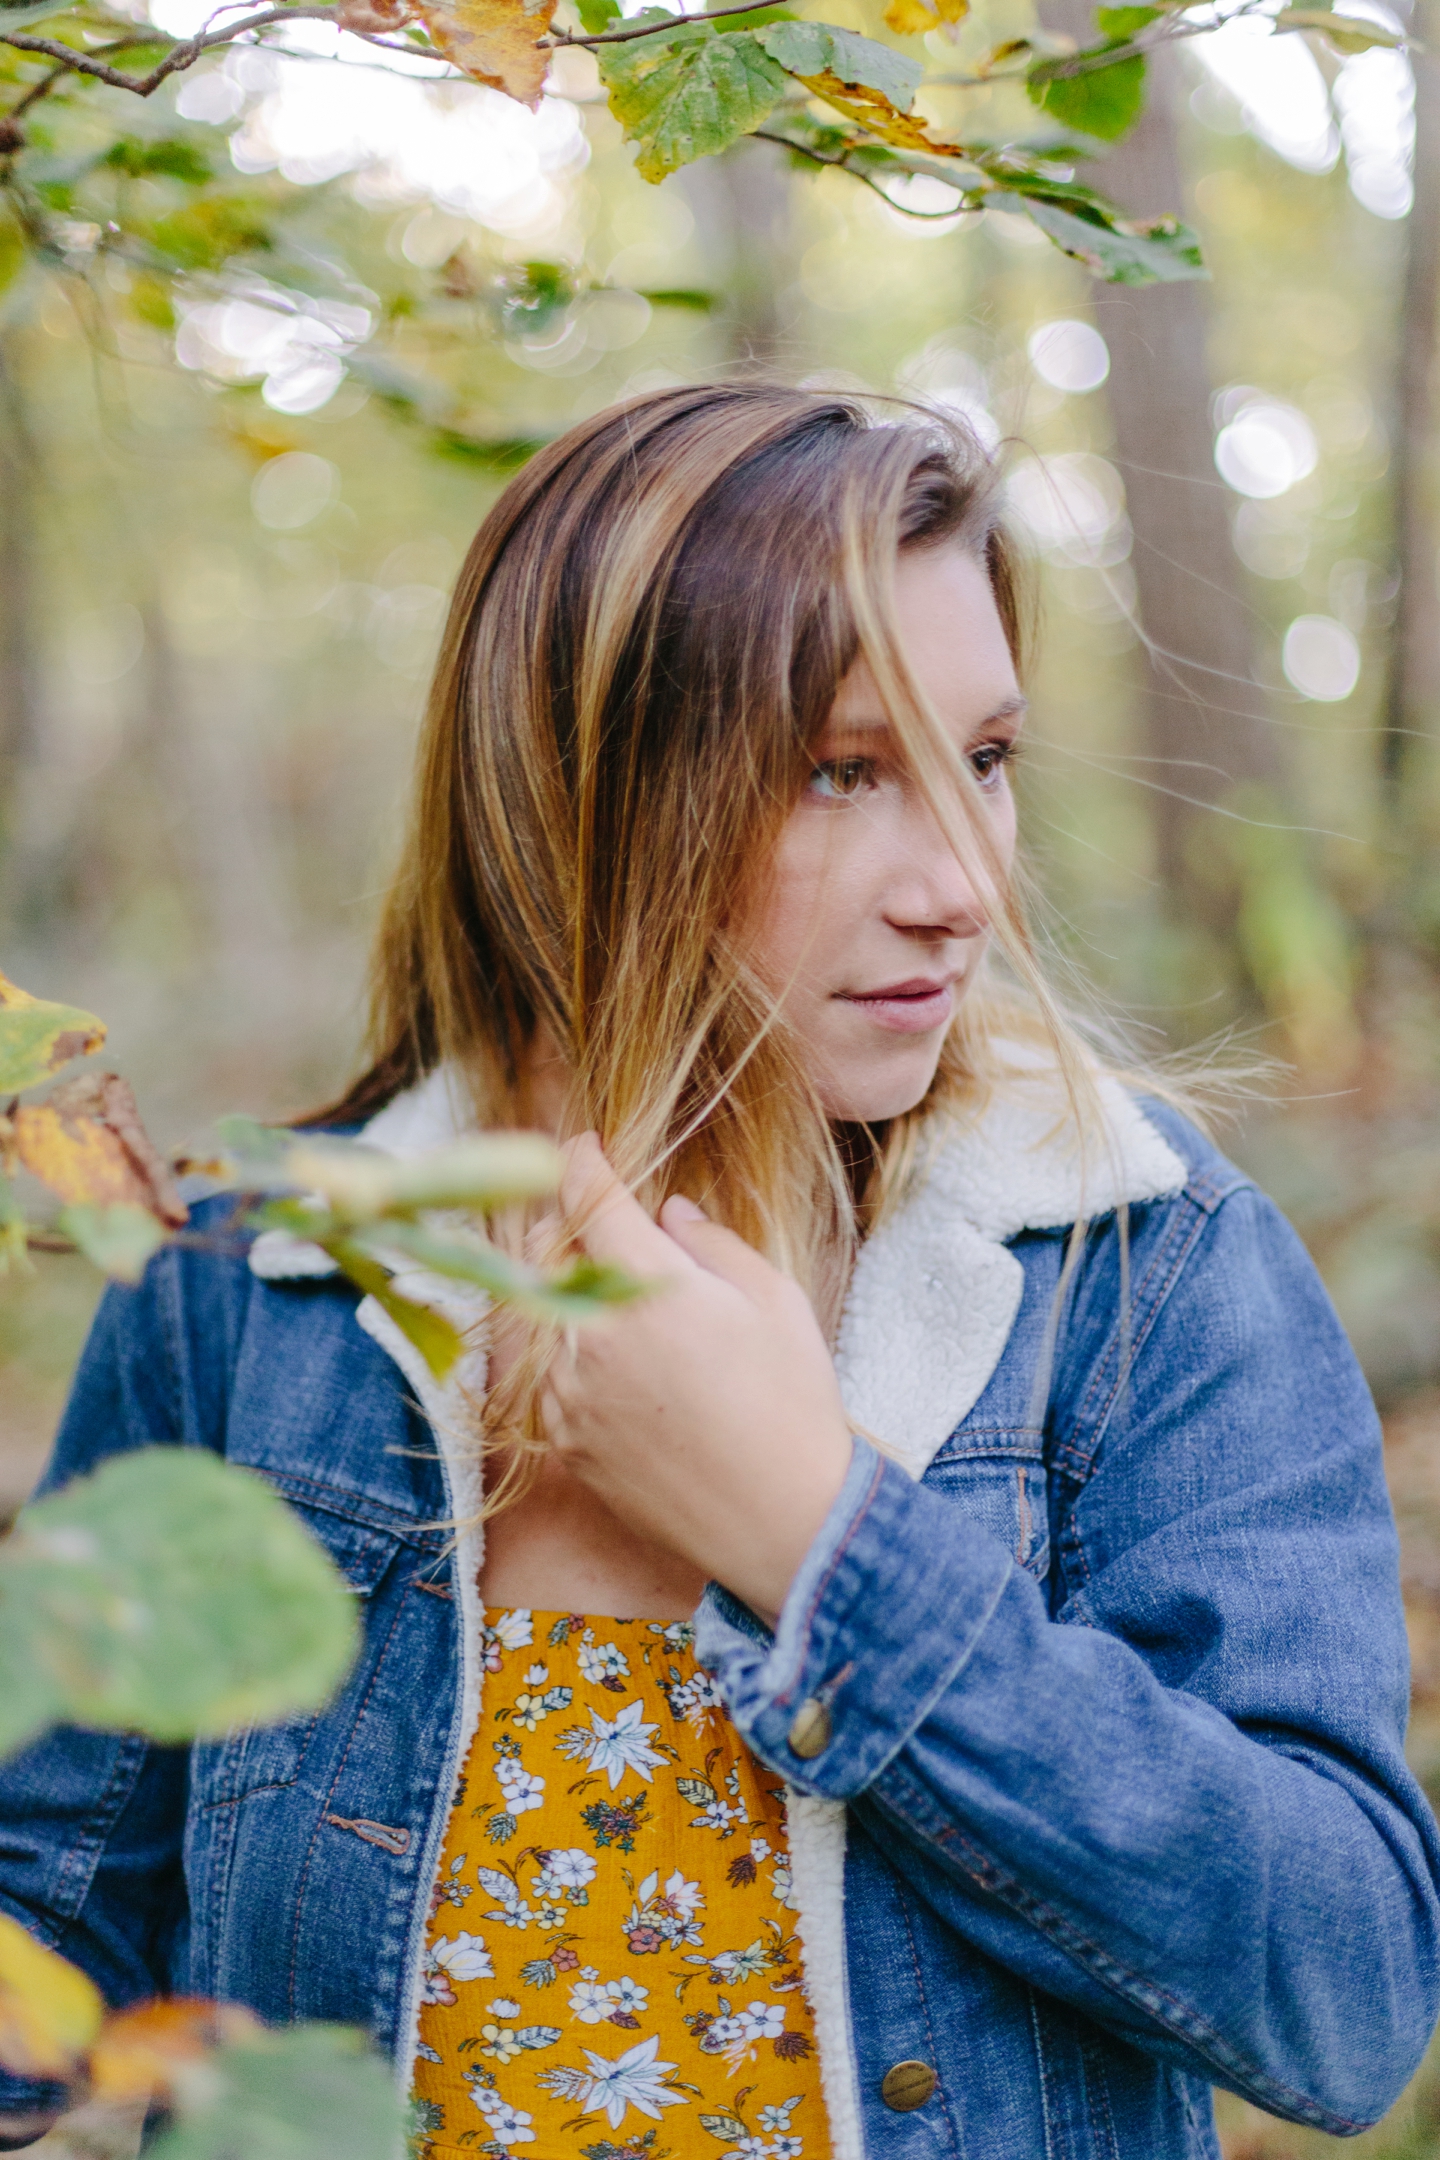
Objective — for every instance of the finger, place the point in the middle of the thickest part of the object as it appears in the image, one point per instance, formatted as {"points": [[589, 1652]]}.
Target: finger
{"points": [[718, 1250], [607, 1220]]}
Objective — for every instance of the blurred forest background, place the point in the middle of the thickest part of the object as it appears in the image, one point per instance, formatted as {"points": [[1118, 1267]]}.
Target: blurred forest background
{"points": [[227, 535]]}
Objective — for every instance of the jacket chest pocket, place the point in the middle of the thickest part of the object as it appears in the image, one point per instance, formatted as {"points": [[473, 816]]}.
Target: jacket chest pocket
{"points": [[1001, 1486], [260, 1758]]}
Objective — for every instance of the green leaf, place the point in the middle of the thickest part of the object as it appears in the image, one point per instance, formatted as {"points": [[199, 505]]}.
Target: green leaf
{"points": [[1101, 104], [37, 1038], [432, 1335], [681, 296], [810, 48], [690, 93], [486, 1171], [119, 1238], [1124, 23], [259, 1151], [597, 15], [170, 1594], [20, 18], [170, 157], [314, 2092], [1122, 252], [14, 1251], [1347, 33], [579, 1293]]}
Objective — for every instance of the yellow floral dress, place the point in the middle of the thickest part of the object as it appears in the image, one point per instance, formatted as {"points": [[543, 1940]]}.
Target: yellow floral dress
{"points": [[612, 1969]]}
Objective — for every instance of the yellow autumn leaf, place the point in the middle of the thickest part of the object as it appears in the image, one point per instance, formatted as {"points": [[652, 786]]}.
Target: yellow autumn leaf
{"points": [[37, 1038], [496, 41], [49, 2011], [86, 1142], [910, 17], [873, 111]]}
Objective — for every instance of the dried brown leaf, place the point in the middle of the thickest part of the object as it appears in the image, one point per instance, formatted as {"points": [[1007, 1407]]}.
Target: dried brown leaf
{"points": [[496, 41], [86, 1142], [142, 2052]]}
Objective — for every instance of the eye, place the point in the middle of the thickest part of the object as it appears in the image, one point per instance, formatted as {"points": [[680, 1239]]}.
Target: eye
{"points": [[841, 779], [989, 761]]}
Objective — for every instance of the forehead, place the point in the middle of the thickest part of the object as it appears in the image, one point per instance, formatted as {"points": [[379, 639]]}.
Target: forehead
{"points": [[953, 640]]}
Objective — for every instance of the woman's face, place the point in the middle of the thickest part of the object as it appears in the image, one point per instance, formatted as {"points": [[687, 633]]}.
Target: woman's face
{"points": [[872, 930]]}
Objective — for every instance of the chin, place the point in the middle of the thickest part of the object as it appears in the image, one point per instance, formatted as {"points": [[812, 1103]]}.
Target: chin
{"points": [[872, 1098]]}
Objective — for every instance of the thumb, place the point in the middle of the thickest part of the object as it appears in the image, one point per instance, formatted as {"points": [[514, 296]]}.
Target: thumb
{"points": [[718, 1250]]}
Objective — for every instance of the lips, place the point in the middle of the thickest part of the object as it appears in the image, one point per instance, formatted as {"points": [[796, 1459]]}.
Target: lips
{"points": [[913, 1007]]}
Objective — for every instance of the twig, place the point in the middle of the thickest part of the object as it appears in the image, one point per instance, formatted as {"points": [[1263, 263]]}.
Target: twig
{"points": [[640, 30], [181, 55], [842, 164], [34, 95]]}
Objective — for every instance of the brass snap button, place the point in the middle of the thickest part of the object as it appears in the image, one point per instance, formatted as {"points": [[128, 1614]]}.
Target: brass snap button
{"points": [[907, 2085], [809, 1733]]}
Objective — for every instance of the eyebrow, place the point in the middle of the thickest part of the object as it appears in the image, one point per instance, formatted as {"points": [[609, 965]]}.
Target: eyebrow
{"points": [[1013, 708]]}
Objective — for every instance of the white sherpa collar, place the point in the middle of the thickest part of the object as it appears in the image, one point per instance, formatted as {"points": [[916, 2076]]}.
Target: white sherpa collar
{"points": [[934, 1292], [931, 1304]]}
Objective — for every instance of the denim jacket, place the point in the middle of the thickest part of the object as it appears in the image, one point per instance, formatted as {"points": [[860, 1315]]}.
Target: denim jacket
{"points": [[1090, 1693]]}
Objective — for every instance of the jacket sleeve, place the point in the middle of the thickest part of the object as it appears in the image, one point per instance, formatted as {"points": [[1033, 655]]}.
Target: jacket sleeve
{"points": [[1180, 1804], [91, 1822]]}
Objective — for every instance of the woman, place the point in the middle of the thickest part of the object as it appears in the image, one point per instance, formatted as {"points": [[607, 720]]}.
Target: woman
{"points": [[1037, 1763]]}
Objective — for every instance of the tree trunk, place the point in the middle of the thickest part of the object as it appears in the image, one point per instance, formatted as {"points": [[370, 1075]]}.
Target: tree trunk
{"points": [[1205, 719], [1413, 698], [19, 688], [741, 205]]}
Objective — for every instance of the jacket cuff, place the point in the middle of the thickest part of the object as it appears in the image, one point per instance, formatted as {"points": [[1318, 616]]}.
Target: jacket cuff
{"points": [[888, 1605]]}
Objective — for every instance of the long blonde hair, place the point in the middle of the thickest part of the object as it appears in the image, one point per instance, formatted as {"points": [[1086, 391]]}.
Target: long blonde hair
{"points": [[644, 644]]}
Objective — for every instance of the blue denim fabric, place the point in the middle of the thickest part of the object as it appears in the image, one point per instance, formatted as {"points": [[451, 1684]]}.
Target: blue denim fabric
{"points": [[1117, 1703]]}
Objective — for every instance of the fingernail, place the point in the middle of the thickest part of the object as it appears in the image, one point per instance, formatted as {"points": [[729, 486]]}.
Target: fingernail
{"points": [[685, 1209]]}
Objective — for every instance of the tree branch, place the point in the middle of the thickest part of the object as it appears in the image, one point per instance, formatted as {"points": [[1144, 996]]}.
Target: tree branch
{"points": [[842, 164], [182, 55], [641, 30]]}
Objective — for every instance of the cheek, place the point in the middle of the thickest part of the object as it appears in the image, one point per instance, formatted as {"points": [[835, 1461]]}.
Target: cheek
{"points": [[803, 919]]}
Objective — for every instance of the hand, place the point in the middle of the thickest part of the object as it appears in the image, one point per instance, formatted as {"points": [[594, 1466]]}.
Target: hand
{"points": [[706, 1415]]}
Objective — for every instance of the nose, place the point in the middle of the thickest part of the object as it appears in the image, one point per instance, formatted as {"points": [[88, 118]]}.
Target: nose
{"points": [[932, 893]]}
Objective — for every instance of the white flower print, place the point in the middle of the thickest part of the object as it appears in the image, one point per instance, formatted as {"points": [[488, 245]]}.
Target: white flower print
{"points": [[759, 1849], [523, 1791], [594, 2002], [499, 2042], [536, 1675], [762, 2020], [778, 2117], [718, 1815], [635, 2080], [683, 1898], [675, 1634], [513, 1630], [697, 1701], [600, 1662], [614, 1745], [788, 2148], [502, 2007], [731, 1966], [566, 1869], [751, 2148], [512, 1908], [508, 2125], [451, 1958], [590, 2001], [783, 1885]]}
